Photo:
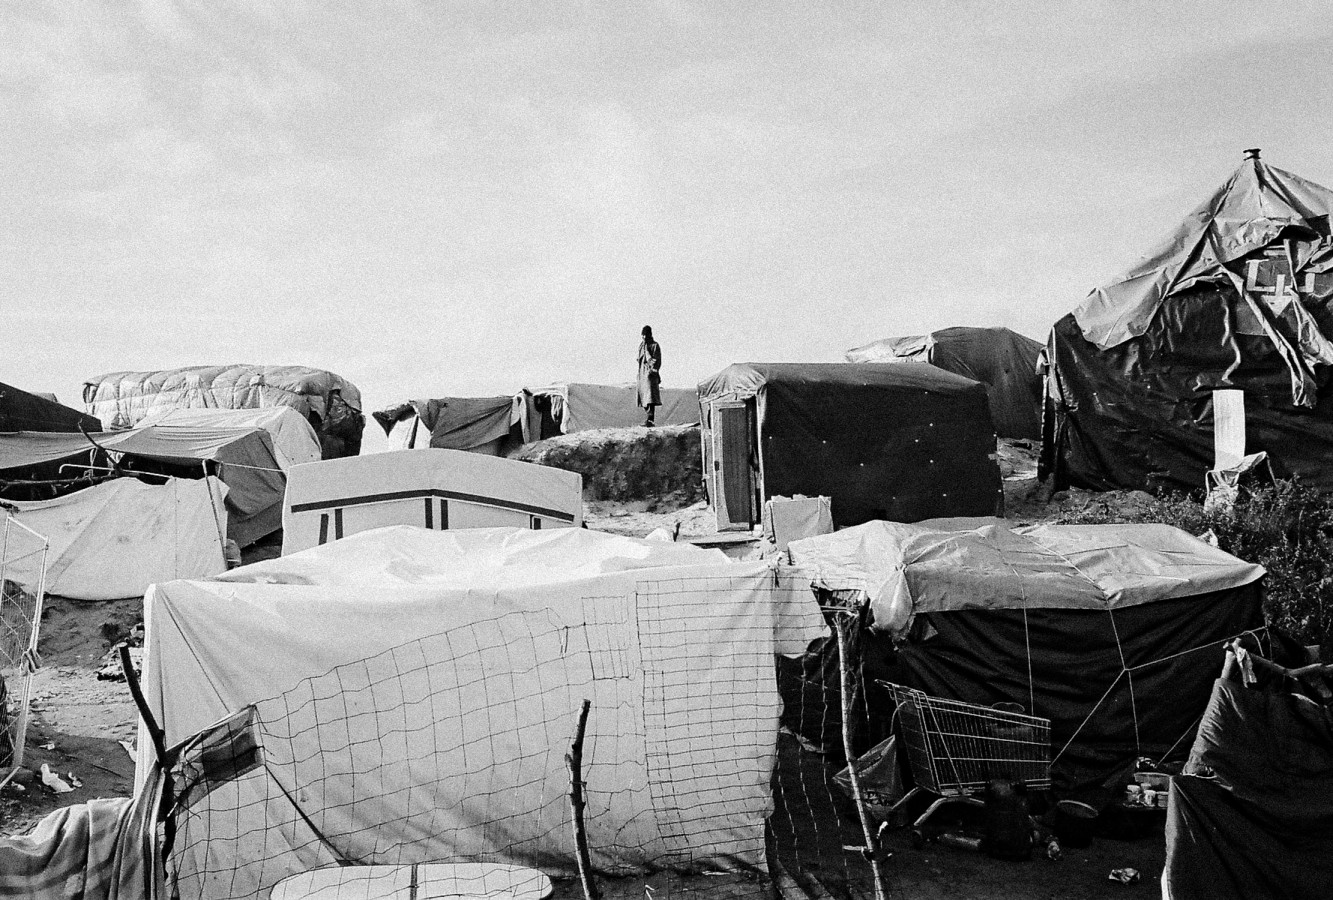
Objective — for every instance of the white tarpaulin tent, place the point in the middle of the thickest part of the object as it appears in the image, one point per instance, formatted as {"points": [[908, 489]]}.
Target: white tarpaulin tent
{"points": [[414, 695], [114, 539], [294, 441], [436, 489]]}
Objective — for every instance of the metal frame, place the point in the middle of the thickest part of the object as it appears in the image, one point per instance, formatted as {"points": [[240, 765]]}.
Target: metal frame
{"points": [[26, 660], [954, 749]]}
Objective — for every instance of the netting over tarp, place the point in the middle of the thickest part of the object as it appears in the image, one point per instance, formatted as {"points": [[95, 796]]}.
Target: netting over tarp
{"points": [[428, 685]]}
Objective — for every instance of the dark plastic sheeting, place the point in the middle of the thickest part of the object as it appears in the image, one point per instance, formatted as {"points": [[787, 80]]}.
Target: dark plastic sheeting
{"points": [[982, 657], [903, 441], [1140, 415], [22, 411], [1132, 369], [1263, 828], [1003, 360]]}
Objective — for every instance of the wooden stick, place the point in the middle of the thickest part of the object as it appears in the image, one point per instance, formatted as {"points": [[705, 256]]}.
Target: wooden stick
{"points": [[574, 758], [1261, 662], [871, 849], [154, 731]]}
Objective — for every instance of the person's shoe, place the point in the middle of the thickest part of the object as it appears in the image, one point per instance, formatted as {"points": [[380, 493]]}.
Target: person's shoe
{"points": [[648, 423]]}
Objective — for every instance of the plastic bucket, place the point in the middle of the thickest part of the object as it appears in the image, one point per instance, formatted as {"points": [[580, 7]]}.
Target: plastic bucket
{"points": [[1074, 823]]}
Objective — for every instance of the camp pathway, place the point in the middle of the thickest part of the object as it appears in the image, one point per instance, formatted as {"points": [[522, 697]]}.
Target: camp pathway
{"points": [[77, 721]]}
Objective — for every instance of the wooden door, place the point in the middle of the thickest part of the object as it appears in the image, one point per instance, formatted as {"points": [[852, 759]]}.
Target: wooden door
{"points": [[733, 482]]}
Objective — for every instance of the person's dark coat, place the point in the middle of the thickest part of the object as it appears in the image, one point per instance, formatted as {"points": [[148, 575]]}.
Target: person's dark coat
{"points": [[650, 381]]}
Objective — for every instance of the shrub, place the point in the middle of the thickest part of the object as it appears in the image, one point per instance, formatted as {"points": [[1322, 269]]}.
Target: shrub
{"points": [[1287, 528]]}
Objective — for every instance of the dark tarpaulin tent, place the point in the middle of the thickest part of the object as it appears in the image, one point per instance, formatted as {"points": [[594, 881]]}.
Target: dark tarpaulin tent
{"points": [[567, 408], [491, 425], [1003, 360], [1113, 632], [1237, 297], [331, 403], [24, 411], [1262, 827], [904, 441], [242, 457]]}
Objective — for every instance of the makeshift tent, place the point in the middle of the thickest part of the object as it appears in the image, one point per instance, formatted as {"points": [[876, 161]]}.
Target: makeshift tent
{"points": [[242, 457], [490, 425], [1003, 360], [22, 411], [1252, 818], [905, 441], [294, 441], [114, 539], [567, 408], [437, 489], [329, 402], [1237, 297], [412, 696], [1113, 632]]}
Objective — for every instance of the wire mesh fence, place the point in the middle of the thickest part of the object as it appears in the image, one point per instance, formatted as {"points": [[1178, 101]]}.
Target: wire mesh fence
{"points": [[22, 589], [705, 767]]}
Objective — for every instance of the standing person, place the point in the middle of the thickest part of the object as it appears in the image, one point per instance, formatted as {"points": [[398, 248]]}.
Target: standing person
{"points": [[650, 381]]}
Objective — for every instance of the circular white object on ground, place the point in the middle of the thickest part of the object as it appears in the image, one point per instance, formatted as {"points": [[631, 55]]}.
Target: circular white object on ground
{"points": [[428, 881]]}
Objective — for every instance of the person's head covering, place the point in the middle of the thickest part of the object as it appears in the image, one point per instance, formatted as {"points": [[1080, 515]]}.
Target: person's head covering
{"points": [[647, 332]]}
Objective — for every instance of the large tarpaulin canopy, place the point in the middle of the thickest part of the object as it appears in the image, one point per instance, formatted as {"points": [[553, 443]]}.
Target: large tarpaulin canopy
{"points": [[1003, 360], [903, 441], [984, 564], [1261, 827], [457, 423], [567, 408], [422, 689], [331, 403], [294, 440], [1237, 297], [1114, 632], [444, 489], [112, 540], [22, 411], [242, 457]]}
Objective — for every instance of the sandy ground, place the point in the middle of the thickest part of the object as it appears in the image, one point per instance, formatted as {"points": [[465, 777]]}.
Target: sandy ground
{"points": [[79, 722]]}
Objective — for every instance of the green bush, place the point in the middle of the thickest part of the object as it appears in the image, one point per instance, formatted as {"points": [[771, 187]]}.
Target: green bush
{"points": [[1286, 528]]}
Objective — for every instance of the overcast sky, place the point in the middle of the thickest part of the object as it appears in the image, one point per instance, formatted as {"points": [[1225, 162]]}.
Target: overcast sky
{"points": [[456, 198]]}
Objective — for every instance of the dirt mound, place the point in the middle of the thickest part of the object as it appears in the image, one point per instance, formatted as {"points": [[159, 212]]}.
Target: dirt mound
{"points": [[79, 632], [627, 463]]}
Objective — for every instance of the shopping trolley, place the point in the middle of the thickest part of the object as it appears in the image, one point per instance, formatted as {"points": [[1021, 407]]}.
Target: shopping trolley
{"points": [[954, 749]]}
